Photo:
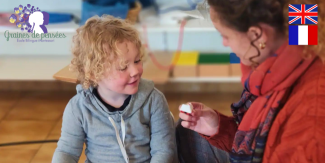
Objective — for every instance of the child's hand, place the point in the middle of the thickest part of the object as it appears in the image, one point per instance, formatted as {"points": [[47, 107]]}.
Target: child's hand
{"points": [[203, 119]]}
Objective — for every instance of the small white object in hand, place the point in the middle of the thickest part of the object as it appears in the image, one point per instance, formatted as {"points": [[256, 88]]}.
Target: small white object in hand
{"points": [[187, 108]]}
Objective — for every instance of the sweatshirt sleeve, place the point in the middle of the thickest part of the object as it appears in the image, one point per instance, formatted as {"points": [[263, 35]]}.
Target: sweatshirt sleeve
{"points": [[163, 139], [70, 144], [225, 135]]}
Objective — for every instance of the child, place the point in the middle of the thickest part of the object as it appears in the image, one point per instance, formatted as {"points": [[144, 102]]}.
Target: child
{"points": [[119, 116]]}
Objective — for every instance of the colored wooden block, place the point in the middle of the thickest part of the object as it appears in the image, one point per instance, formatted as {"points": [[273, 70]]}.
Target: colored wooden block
{"points": [[214, 58], [185, 71], [234, 59], [187, 58], [235, 70], [214, 70], [214, 65], [186, 65]]}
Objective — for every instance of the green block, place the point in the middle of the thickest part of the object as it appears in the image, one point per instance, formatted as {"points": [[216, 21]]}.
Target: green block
{"points": [[214, 58]]}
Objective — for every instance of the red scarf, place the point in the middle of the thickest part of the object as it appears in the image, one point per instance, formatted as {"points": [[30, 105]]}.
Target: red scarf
{"points": [[266, 89]]}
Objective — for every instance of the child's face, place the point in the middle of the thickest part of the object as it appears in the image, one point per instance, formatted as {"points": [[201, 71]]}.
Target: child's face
{"points": [[125, 80]]}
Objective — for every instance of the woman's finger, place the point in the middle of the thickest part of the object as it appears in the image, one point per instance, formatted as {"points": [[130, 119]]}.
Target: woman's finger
{"points": [[196, 112], [186, 117], [189, 125], [196, 105]]}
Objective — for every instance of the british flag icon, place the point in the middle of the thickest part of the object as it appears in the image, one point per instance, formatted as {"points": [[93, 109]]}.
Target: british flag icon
{"points": [[303, 13]]}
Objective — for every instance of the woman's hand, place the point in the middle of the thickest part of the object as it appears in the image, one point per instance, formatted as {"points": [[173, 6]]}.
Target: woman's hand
{"points": [[203, 119]]}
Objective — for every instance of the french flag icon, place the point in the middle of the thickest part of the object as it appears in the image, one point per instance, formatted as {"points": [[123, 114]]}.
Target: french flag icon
{"points": [[303, 35]]}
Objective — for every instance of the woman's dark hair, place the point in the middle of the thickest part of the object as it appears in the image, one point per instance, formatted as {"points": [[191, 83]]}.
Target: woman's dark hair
{"points": [[243, 14]]}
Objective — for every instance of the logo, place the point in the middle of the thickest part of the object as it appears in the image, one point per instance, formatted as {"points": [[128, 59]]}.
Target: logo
{"points": [[303, 14], [32, 22], [30, 19]]}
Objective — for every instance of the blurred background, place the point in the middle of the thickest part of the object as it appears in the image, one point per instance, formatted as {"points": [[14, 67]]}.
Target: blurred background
{"points": [[35, 84]]}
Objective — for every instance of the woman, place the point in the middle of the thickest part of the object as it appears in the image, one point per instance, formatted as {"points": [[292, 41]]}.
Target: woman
{"points": [[280, 116]]}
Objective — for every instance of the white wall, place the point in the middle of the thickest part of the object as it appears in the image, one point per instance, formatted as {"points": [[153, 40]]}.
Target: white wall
{"points": [[39, 61], [206, 39], [45, 5]]}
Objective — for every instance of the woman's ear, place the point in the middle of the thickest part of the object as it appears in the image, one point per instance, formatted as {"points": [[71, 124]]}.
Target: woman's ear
{"points": [[258, 34]]}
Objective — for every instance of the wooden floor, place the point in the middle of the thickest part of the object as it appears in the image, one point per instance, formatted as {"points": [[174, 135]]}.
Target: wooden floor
{"points": [[33, 116]]}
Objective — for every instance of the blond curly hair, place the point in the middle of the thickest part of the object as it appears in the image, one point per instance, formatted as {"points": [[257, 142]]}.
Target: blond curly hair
{"points": [[94, 47]]}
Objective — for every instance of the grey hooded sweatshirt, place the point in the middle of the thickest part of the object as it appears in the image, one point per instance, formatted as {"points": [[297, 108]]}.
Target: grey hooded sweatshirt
{"points": [[143, 132]]}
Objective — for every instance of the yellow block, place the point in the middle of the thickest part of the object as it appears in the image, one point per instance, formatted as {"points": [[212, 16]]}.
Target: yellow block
{"points": [[189, 58]]}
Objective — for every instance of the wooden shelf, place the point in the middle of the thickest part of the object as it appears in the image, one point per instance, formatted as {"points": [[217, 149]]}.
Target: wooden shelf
{"points": [[66, 75], [205, 79], [51, 68], [28, 68], [151, 71]]}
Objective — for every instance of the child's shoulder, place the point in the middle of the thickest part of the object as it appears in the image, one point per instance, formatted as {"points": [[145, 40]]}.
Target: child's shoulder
{"points": [[78, 101], [148, 87], [157, 93], [75, 99]]}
